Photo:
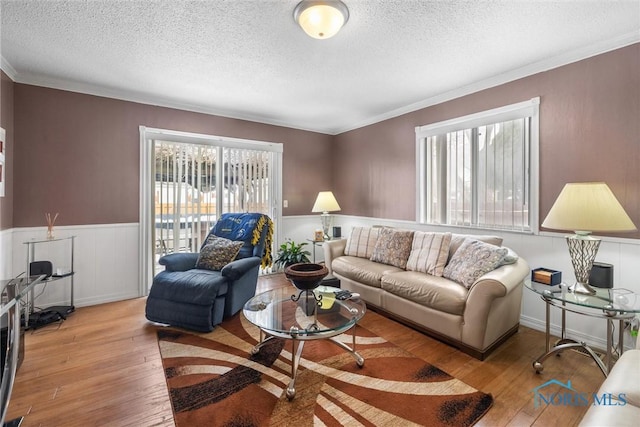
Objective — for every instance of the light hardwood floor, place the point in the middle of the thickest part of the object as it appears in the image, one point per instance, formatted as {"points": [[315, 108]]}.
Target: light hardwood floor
{"points": [[102, 367]]}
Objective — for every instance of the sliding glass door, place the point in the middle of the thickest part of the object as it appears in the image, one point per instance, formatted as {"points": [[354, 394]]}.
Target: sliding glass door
{"points": [[192, 179]]}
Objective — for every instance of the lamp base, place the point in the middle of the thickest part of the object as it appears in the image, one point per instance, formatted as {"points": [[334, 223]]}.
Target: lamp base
{"points": [[325, 218], [582, 288], [582, 249]]}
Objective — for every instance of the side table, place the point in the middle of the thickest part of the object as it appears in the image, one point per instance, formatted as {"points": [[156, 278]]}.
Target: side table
{"points": [[610, 304], [315, 244]]}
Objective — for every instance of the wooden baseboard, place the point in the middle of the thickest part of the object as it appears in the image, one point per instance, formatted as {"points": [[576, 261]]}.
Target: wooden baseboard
{"points": [[471, 351]]}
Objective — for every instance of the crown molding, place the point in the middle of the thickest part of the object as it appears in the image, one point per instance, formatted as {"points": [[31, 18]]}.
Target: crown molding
{"points": [[7, 68], [157, 101], [528, 70], [518, 73]]}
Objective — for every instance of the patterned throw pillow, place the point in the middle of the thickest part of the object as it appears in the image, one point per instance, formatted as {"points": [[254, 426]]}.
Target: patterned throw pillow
{"points": [[458, 239], [361, 242], [473, 259], [217, 253], [429, 252], [393, 247]]}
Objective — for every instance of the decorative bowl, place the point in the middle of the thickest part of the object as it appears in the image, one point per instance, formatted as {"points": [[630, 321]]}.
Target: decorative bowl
{"points": [[306, 276]]}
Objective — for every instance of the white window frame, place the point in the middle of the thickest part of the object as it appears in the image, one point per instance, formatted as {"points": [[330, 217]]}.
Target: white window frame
{"points": [[146, 196], [530, 108]]}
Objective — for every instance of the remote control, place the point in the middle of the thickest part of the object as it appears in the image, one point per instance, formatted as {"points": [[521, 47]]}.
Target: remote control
{"points": [[342, 295]]}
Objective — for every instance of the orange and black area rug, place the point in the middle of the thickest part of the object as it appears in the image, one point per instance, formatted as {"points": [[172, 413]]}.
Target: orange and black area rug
{"points": [[214, 381]]}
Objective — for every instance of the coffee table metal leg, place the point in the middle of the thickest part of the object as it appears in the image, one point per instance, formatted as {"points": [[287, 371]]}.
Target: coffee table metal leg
{"points": [[297, 346], [352, 350], [296, 354], [264, 338], [359, 359]]}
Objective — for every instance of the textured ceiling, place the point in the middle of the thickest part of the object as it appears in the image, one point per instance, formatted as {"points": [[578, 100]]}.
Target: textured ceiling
{"points": [[248, 59]]}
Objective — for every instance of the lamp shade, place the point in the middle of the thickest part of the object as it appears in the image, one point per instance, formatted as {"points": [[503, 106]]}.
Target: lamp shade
{"points": [[325, 202], [321, 19], [588, 206]]}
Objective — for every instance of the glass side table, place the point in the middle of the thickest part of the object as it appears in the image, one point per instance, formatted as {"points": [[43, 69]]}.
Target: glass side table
{"points": [[610, 304]]}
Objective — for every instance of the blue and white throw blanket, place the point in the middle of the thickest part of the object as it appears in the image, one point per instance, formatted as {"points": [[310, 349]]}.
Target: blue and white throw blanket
{"points": [[247, 228]]}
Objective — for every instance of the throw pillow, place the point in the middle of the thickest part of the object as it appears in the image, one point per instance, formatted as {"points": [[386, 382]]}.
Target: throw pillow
{"points": [[393, 247], [510, 258], [217, 253], [429, 252], [458, 239], [361, 242], [473, 259]]}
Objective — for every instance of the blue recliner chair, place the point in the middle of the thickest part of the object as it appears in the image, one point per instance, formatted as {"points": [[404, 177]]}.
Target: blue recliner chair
{"points": [[192, 297]]}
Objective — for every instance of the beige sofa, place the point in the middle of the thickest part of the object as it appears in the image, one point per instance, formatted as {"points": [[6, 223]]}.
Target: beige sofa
{"points": [[475, 319], [621, 390]]}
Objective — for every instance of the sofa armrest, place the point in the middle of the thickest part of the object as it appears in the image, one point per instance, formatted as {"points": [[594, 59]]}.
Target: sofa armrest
{"points": [[181, 261], [622, 387], [494, 304], [502, 280], [332, 249], [236, 269]]}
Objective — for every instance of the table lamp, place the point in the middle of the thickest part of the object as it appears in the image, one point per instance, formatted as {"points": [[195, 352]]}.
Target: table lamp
{"points": [[325, 203], [586, 207]]}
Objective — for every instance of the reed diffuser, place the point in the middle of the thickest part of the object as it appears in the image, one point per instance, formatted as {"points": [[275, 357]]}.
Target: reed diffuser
{"points": [[50, 223]]}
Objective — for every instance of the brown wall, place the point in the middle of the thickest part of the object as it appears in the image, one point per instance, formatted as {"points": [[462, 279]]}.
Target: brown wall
{"points": [[79, 155], [6, 122], [589, 131]]}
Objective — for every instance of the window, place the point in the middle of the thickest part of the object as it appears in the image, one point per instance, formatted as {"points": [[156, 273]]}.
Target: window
{"points": [[480, 170]]}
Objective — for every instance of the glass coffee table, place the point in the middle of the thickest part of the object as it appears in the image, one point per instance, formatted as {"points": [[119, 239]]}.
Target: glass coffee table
{"points": [[608, 303], [304, 316]]}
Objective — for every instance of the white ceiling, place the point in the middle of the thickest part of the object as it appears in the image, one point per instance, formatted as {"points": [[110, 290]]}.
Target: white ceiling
{"points": [[248, 59]]}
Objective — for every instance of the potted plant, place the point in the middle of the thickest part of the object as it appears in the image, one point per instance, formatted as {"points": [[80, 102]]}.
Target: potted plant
{"points": [[290, 253]]}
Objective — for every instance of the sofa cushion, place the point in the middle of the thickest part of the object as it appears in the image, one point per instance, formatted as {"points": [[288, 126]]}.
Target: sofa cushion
{"points": [[393, 247], [218, 253], [361, 270], [431, 291], [458, 239], [361, 242], [472, 260], [429, 252]]}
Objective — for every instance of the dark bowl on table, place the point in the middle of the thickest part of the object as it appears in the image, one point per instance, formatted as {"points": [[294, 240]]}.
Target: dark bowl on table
{"points": [[306, 276]]}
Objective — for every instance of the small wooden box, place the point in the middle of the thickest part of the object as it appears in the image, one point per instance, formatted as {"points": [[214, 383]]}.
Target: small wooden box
{"points": [[546, 276]]}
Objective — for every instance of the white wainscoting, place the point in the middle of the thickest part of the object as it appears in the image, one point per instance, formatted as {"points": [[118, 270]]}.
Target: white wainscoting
{"points": [[106, 264], [6, 252], [545, 250]]}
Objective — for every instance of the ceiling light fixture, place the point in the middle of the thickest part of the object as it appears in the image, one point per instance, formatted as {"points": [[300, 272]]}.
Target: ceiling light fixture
{"points": [[321, 19]]}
